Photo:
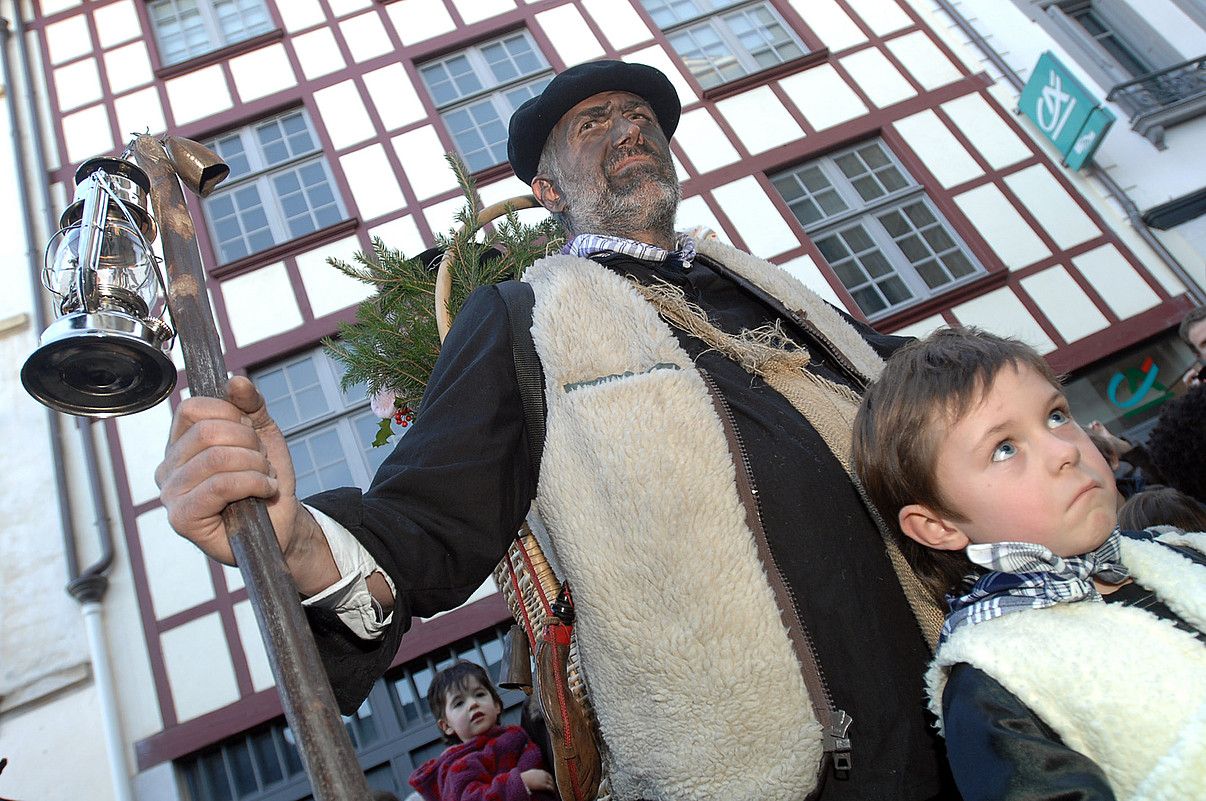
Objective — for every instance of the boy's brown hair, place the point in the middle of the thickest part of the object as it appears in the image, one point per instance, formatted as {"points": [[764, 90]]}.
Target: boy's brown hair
{"points": [[453, 678], [926, 386]]}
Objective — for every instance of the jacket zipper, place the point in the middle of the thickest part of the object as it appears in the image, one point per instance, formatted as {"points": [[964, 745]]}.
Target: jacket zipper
{"points": [[835, 723]]}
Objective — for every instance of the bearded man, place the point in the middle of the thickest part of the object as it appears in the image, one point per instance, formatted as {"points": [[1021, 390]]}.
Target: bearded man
{"points": [[740, 625]]}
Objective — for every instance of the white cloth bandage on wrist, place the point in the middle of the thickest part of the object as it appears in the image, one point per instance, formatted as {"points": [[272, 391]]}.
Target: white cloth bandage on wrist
{"points": [[349, 597]]}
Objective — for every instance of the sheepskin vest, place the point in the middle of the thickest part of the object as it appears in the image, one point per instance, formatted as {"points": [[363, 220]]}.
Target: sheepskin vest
{"points": [[1116, 683], [694, 682]]}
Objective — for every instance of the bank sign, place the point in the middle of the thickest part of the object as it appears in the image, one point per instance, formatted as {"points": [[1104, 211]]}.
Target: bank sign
{"points": [[1064, 111]]}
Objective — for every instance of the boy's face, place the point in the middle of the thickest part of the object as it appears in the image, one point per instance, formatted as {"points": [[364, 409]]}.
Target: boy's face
{"points": [[469, 710], [1016, 467]]}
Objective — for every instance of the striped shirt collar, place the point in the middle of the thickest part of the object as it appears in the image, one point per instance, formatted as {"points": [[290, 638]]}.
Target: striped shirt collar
{"points": [[586, 245]]}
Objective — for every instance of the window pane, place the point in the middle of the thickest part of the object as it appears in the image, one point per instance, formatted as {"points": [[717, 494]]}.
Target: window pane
{"points": [[709, 58], [213, 773], [179, 30], [832, 249], [241, 19], [239, 760], [857, 239], [895, 290], [931, 273], [958, 264], [264, 751], [323, 461], [230, 148], [869, 301], [875, 264]]}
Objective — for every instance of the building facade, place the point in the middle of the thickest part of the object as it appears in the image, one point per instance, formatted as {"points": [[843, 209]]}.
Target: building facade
{"points": [[871, 148]]}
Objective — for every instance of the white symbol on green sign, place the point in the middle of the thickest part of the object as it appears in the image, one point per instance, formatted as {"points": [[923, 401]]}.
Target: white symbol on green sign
{"points": [[1053, 107]]}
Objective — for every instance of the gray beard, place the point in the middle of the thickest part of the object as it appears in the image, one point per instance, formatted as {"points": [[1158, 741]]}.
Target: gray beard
{"points": [[645, 201]]}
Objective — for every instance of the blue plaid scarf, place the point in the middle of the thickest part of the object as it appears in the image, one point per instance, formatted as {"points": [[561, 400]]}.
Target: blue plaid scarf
{"points": [[1029, 576], [589, 244]]}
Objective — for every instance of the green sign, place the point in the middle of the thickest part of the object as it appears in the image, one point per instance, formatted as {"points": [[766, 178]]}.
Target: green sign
{"points": [[1067, 113]]}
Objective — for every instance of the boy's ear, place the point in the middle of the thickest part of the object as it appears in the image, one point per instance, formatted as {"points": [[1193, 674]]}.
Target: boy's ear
{"points": [[444, 727], [922, 524]]}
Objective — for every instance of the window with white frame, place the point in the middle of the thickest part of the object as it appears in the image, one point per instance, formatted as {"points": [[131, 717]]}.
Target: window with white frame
{"points": [[185, 29], [280, 186], [722, 40], [329, 431], [885, 240], [478, 89]]}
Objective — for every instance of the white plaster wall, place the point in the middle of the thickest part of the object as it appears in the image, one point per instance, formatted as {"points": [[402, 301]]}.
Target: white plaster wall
{"points": [[1002, 227], [49, 754], [416, 20], [823, 97], [705, 144], [262, 72], [756, 219], [829, 22], [198, 94], [48, 698], [938, 149], [876, 76], [1149, 176], [1123, 290], [1043, 196], [622, 26], [760, 120], [366, 36], [327, 289], [1064, 303], [372, 181], [1002, 313], [244, 296], [571, 36], [318, 53], [422, 157]]}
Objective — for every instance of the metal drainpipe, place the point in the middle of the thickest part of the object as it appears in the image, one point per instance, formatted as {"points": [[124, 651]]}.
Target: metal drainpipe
{"points": [[87, 587], [1115, 191]]}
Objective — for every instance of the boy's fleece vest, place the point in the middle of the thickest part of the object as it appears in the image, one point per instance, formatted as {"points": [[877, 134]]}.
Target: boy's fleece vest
{"points": [[1117, 684]]}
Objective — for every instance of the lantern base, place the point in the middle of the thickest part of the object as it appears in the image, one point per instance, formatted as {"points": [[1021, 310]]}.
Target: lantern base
{"points": [[102, 364]]}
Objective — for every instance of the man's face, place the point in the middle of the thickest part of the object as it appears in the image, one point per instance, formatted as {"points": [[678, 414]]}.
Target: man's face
{"points": [[1017, 468], [614, 173]]}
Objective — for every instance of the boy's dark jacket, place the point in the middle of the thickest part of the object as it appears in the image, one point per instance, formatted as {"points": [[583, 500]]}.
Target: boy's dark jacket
{"points": [[486, 768], [1087, 701]]}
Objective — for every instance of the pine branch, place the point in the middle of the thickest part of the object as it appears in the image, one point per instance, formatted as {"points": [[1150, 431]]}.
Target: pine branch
{"points": [[394, 342]]}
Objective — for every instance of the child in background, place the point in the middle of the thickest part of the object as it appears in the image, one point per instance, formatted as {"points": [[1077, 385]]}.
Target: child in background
{"points": [[491, 762], [1058, 674], [1163, 509]]}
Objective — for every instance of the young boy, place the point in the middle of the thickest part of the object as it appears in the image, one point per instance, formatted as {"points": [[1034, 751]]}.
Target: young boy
{"points": [[1058, 674], [491, 762]]}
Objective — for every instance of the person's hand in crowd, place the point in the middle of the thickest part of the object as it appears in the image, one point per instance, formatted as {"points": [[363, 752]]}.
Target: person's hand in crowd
{"points": [[1193, 375], [537, 779], [1120, 445]]}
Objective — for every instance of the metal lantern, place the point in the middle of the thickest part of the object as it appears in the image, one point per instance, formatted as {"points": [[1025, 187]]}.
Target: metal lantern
{"points": [[105, 355]]}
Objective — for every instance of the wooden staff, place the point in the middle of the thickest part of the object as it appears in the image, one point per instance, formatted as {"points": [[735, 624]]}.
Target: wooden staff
{"points": [[309, 703]]}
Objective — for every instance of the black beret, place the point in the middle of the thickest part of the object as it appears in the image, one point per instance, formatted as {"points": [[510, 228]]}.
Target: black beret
{"points": [[532, 122]]}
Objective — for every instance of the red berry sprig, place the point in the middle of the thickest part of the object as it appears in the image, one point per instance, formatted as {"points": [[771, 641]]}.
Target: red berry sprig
{"points": [[404, 416]]}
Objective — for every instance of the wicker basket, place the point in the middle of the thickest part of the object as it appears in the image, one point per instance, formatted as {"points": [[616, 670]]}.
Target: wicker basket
{"points": [[524, 577]]}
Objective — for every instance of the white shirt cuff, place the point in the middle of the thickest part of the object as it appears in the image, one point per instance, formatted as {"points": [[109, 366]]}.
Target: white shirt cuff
{"points": [[349, 597]]}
